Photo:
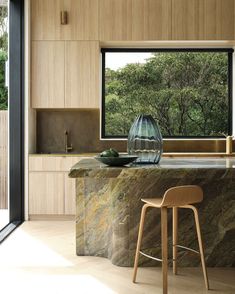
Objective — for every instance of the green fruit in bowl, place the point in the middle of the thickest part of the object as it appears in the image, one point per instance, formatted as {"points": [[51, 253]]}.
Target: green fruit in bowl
{"points": [[109, 153]]}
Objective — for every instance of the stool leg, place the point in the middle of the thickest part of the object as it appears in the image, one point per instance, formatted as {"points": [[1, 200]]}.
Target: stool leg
{"points": [[140, 234], [200, 246], [164, 248], [175, 238]]}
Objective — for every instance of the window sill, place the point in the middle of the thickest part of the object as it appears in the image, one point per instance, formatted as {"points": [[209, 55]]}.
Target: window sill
{"points": [[197, 154]]}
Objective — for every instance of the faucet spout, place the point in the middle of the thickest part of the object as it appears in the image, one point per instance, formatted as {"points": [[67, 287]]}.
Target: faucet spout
{"points": [[66, 145]]}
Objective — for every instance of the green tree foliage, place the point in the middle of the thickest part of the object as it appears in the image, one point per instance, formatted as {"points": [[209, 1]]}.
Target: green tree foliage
{"points": [[186, 92], [3, 57]]}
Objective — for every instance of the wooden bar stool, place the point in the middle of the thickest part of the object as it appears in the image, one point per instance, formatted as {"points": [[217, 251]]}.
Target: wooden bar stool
{"points": [[176, 197]]}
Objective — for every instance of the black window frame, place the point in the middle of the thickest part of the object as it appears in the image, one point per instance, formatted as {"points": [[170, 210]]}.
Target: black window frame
{"points": [[143, 50], [16, 117]]}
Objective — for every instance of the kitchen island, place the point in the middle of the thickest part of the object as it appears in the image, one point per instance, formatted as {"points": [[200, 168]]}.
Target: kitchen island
{"points": [[108, 209]]}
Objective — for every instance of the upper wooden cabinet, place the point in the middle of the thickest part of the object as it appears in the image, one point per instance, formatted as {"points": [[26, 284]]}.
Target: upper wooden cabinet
{"points": [[82, 20], [203, 20], [133, 20], [47, 74], [185, 19], [82, 74], [65, 74], [128, 20], [217, 20]]}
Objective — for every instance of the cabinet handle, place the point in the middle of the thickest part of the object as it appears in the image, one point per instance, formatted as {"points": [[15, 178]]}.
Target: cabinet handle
{"points": [[64, 17]]}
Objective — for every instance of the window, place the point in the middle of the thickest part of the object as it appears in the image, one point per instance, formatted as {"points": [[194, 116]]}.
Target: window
{"points": [[188, 91]]}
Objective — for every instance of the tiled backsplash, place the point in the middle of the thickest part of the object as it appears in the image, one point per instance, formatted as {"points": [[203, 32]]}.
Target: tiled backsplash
{"points": [[83, 127]]}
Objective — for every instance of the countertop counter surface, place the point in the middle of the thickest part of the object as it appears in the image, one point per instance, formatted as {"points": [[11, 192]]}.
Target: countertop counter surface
{"points": [[166, 154], [62, 154], [93, 168]]}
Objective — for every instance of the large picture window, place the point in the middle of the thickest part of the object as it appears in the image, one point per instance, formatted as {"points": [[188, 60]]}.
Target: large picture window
{"points": [[188, 91]]}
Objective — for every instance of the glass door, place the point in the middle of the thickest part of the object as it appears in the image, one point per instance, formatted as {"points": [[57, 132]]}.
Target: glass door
{"points": [[11, 115], [4, 146]]}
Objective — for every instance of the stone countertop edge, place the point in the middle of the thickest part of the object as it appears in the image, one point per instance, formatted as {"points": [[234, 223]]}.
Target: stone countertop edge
{"points": [[166, 154], [92, 168], [63, 154]]}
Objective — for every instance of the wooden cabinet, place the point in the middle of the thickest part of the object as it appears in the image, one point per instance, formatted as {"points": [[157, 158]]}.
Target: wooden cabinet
{"points": [[47, 75], [115, 21], [151, 19], [82, 20], [82, 74], [203, 20], [218, 20], [134, 20], [52, 163], [51, 191], [69, 195], [46, 193], [65, 74], [185, 19]]}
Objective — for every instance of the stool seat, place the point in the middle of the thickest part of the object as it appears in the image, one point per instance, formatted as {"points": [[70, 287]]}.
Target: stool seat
{"points": [[174, 198], [155, 202]]}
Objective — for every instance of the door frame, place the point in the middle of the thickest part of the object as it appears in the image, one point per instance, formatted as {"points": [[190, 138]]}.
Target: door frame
{"points": [[16, 117]]}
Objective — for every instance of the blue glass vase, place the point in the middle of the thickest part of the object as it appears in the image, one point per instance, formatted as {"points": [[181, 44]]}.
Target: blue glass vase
{"points": [[145, 140]]}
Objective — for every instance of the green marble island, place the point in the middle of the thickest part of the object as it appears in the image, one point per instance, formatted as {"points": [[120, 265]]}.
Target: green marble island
{"points": [[108, 209]]}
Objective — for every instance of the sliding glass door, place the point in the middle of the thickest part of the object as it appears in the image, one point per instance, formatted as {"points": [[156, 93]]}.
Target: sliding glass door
{"points": [[11, 115]]}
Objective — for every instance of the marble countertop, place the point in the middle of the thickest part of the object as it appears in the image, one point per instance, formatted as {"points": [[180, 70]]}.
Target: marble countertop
{"points": [[108, 208], [62, 154], [165, 154], [90, 167]]}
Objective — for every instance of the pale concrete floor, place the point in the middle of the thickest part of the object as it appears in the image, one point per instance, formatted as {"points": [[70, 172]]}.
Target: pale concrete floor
{"points": [[4, 218], [39, 257]]}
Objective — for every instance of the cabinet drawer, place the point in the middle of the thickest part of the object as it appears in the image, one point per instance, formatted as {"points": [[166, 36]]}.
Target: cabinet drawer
{"points": [[52, 163]]}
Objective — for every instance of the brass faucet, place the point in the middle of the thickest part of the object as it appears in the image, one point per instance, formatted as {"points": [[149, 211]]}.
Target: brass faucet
{"points": [[67, 148]]}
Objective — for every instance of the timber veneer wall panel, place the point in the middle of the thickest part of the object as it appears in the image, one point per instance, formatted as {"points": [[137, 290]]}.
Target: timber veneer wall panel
{"points": [[151, 19], [115, 20], [82, 20], [129, 20], [45, 19], [203, 20], [217, 19], [185, 19]]}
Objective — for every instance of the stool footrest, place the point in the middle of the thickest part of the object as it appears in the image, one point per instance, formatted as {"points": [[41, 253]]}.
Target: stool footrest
{"points": [[149, 256], [186, 248]]}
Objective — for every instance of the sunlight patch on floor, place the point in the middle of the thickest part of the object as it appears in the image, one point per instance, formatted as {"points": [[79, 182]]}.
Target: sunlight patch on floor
{"points": [[82, 284], [31, 252]]}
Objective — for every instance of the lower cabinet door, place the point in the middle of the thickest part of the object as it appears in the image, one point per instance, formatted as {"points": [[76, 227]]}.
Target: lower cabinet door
{"points": [[69, 195], [46, 193]]}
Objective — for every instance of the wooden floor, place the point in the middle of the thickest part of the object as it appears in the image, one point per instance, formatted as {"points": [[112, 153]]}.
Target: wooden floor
{"points": [[39, 257]]}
